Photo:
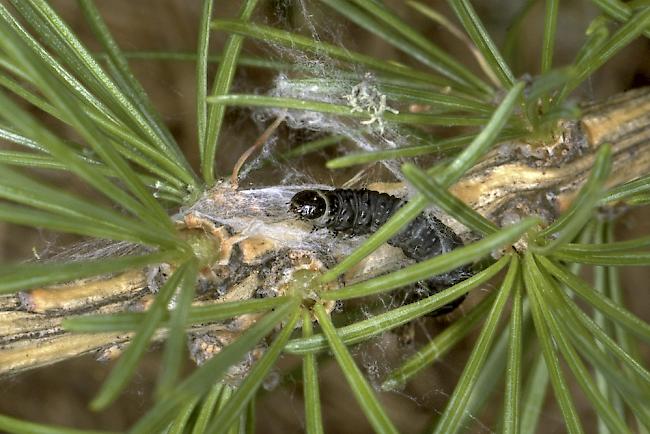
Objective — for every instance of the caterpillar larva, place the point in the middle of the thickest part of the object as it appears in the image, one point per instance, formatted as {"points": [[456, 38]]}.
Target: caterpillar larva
{"points": [[359, 212]]}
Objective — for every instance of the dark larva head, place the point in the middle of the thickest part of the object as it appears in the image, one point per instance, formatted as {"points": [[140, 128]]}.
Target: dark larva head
{"points": [[308, 204]]}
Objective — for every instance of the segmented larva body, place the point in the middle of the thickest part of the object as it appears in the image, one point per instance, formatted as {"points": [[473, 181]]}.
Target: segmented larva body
{"points": [[359, 212]]}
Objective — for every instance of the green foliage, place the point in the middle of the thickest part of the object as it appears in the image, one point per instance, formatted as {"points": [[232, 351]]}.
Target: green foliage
{"points": [[225, 75], [126, 154], [313, 416], [362, 330], [358, 384], [450, 419], [128, 361]]}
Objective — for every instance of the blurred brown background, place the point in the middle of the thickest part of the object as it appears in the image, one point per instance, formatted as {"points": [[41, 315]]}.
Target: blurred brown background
{"points": [[59, 394]]}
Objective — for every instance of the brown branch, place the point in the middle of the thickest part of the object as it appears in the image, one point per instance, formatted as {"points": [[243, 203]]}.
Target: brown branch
{"points": [[30, 322], [519, 179], [515, 180]]}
